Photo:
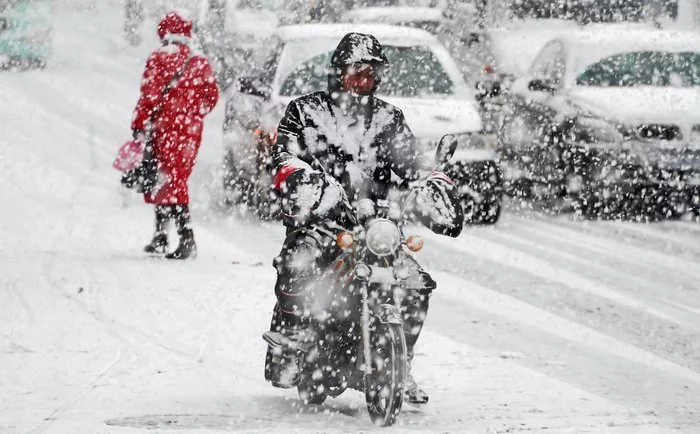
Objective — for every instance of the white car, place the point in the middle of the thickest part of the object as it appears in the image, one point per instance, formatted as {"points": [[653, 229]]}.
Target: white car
{"points": [[424, 83], [610, 120], [514, 31]]}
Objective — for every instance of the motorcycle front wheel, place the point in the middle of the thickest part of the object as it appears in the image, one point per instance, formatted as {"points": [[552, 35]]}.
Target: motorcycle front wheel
{"points": [[385, 386]]}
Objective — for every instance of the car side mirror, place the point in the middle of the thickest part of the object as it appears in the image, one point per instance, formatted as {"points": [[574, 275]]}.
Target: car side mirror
{"points": [[539, 85], [445, 150], [249, 86]]}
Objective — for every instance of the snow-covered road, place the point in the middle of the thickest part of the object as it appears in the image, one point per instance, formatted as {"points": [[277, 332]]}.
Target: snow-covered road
{"points": [[540, 324]]}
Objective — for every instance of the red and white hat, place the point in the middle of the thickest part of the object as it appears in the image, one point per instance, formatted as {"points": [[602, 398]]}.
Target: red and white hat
{"points": [[174, 27]]}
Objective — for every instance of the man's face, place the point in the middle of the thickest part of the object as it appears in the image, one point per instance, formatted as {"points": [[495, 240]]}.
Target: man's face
{"points": [[359, 79]]}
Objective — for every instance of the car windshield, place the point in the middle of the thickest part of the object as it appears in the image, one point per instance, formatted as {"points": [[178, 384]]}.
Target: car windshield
{"points": [[583, 11], [413, 72], [644, 68], [261, 5]]}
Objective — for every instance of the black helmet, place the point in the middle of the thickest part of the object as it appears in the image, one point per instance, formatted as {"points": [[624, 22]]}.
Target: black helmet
{"points": [[358, 48], [355, 48]]}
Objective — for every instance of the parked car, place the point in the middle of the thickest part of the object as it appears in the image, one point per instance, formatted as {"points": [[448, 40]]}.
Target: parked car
{"points": [[514, 31], [234, 34], [500, 38], [424, 82], [25, 33], [610, 121]]}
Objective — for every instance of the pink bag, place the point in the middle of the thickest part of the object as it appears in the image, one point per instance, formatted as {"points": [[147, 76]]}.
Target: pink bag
{"points": [[129, 157]]}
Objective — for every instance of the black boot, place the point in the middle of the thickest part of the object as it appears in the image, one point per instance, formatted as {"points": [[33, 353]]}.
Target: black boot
{"points": [[187, 247], [159, 243], [285, 337], [415, 309]]}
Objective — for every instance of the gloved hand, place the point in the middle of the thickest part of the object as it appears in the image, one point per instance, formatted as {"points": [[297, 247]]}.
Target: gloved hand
{"points": [[139, 136], [308, 195], [435, 203]]}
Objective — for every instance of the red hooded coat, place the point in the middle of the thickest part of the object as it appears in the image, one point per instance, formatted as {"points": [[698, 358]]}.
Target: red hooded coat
{"points": [[176, 127]]}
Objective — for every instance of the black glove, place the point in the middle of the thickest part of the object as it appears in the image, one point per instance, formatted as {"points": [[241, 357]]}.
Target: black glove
{"points": [[435, 203], [310, 195]]}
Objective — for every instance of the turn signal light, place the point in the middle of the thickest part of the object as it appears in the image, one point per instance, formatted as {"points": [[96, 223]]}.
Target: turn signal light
{"points": [[414, 243], [345, 240]]}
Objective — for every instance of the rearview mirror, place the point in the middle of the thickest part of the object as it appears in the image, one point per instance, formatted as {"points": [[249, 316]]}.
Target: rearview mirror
{"points": [[249, 86], [445, 150]]}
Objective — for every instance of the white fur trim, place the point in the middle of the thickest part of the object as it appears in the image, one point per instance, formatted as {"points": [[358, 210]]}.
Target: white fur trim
{"points": [[176, 37]]}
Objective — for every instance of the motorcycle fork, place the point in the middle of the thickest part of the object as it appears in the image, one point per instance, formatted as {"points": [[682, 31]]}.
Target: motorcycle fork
{"points": [[365, 330], [397, 295]]}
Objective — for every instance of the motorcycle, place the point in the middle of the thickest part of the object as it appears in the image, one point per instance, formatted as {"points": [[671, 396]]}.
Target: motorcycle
{"points": [[355, 339]]}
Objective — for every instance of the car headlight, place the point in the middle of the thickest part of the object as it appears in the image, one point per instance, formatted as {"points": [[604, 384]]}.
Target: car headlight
{"points": [[383, 237]]}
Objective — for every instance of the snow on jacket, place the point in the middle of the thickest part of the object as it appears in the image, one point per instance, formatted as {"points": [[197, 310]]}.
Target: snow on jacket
{"points": [[359, 142], [175, 121], [359, 150]]}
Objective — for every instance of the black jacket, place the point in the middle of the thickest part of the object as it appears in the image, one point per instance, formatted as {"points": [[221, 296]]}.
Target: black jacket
{"points": [[360, 150], [362, 141]]}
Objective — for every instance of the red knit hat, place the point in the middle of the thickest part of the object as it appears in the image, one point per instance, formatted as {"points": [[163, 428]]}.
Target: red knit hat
{"points": [[174, 24]]}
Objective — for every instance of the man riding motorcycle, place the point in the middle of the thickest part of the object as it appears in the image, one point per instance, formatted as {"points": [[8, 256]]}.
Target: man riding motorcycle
{"points": [[339, 145]]}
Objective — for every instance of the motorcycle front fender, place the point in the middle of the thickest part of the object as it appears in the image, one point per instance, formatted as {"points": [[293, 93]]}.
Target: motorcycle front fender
{"points": [[388, 314]]}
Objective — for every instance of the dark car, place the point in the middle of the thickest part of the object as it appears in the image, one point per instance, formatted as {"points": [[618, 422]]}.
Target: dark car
{"points": [[610, 123]]}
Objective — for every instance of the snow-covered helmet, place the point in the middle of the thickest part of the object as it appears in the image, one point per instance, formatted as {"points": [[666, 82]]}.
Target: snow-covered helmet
{"points": [[174, 27], [356, 48]]}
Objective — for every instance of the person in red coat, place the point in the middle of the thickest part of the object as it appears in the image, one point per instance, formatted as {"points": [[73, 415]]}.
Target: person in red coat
{"points": [[177, 90]]}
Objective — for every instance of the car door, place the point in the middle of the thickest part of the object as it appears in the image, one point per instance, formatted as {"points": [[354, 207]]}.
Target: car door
{"points": [[247, 100], [529, 119], [243, 106]]}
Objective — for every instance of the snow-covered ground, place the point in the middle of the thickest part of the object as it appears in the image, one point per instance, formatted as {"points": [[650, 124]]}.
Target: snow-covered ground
{"points": [[540, 324]]}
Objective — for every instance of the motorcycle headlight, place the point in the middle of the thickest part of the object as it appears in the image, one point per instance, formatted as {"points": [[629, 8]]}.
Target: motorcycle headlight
{"points": [[383, 237]]}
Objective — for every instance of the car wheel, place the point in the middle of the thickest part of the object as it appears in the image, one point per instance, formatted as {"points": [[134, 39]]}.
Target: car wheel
{"points": [[491, 212], [39, 63]]}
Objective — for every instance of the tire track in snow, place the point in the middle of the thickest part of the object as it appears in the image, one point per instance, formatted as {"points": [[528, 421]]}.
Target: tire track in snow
{"points": [[84, 121], [48, 420], [516, 396], [505, 306], [617, 257], [620, 279], [682, 306], [94, 309], [629, 324], [538, 267], [667, 237], [158, 341], [627, 252], [49, 151], [23, 319], [102, 373], [565, 349], [83, 100]]}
